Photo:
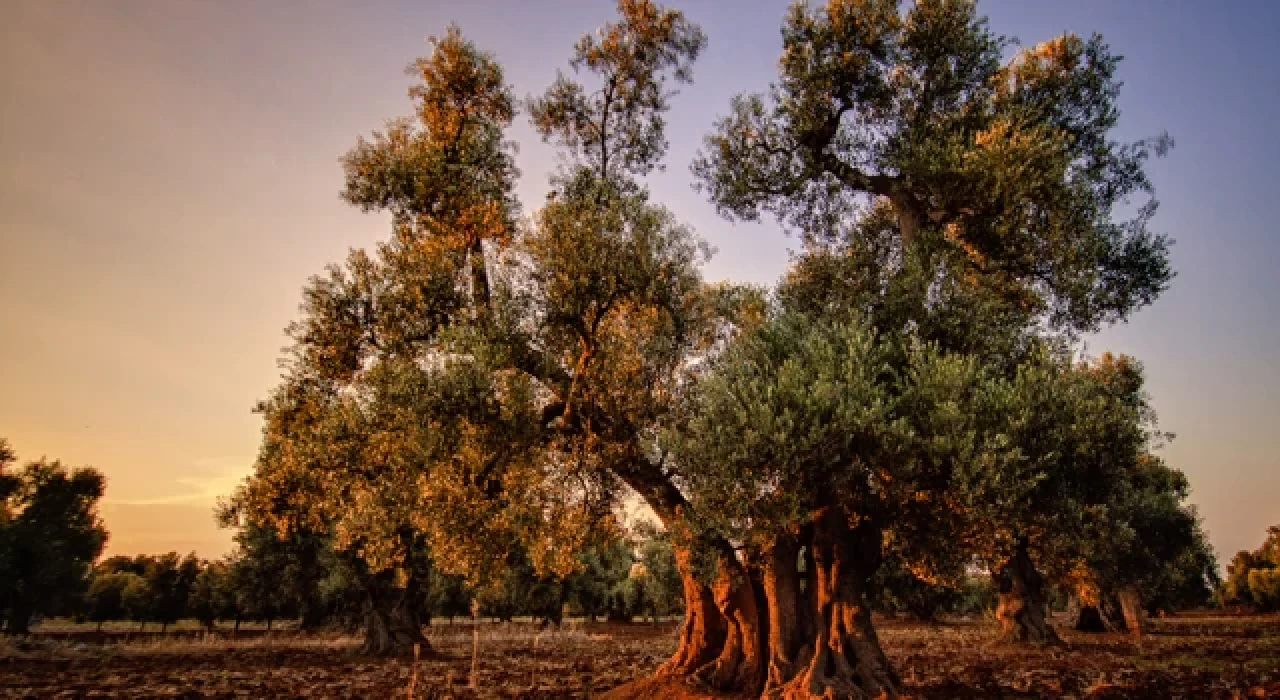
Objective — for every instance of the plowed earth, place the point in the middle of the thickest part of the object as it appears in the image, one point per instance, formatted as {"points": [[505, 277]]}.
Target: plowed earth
{"points": [[1190, 656]]}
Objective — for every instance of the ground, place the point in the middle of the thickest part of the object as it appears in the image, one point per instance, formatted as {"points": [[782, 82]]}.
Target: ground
{"points": [[1189, 656]]}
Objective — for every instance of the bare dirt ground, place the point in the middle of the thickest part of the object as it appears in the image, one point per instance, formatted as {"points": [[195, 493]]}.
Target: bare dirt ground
{"points": [[1190, 656]]}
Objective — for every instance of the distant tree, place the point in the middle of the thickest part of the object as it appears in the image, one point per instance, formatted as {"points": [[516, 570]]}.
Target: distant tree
{"points": [[136, 598], [1253, 577], [212, 597], [1148, 553], [450, 597], [104, 601], [170, 578], [594, 587], [50, 534], [898, 589], [121, 563], [1264, 587], [660, 573], [257, 589]]}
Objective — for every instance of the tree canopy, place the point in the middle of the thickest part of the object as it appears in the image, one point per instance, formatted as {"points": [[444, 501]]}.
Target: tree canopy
{"points": [[50, 535]]}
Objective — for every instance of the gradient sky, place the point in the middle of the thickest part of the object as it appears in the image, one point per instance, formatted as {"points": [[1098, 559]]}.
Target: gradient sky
{"points": [[169, 179]]}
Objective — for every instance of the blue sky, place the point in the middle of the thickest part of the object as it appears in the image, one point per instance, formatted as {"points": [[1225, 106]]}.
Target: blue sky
{"points": [[170, 179]]}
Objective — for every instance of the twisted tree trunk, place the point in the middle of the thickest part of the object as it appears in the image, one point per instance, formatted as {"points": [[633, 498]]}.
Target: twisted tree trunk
{"points": [[1131, 611], [703, 631], [1091, 619], [741, 662], [762, 627], [1020, 600], [393, 622], [846, 659], [790, 627], [723, 637]]}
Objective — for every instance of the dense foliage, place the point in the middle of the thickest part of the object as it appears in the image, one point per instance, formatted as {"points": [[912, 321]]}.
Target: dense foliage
{"points": [[271, 578], [1253, 578], [50, 534]]}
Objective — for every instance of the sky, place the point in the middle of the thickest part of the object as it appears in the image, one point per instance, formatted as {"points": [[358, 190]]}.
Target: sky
{"points": [[169, 179]]}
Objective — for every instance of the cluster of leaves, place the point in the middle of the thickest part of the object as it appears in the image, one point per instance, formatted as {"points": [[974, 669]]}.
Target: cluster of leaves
{"points": [[50, 534], [1009, 162], [1253, 578]]}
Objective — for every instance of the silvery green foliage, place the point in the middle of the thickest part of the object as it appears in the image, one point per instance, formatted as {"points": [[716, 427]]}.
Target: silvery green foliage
{"points": [[1011, 162]]}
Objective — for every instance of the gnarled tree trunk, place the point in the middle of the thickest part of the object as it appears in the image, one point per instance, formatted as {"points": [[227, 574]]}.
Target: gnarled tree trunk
{"points": [[790, 625], [1131, 610], [762, 626], [1020, 601], [393, 623], [846, 659], [19, 620], [741, 662], [705, 630], [1091, 619]]}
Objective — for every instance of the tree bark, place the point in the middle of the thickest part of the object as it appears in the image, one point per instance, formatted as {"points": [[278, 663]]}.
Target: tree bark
{"points": [[847, 660], [19, 620], [393, 624], [788, 623], [703, 631], [741, 662], [1089, 614], [1131, 610], [1020, 606], [1090, 619]]}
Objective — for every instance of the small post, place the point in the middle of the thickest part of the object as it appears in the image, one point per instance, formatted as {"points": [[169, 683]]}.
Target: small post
{"points": [[413, 673], [475, 641]]}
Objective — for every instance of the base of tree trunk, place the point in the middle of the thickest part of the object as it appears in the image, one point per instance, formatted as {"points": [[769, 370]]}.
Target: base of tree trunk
{"points": [[1131, 611], [740, 663], [844, 659], [1092, 620], [1020, 602], [393, 634], [702, 633]]}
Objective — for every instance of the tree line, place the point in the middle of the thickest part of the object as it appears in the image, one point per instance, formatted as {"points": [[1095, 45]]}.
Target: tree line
{"points": [[273, 576], [51, 538]]}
